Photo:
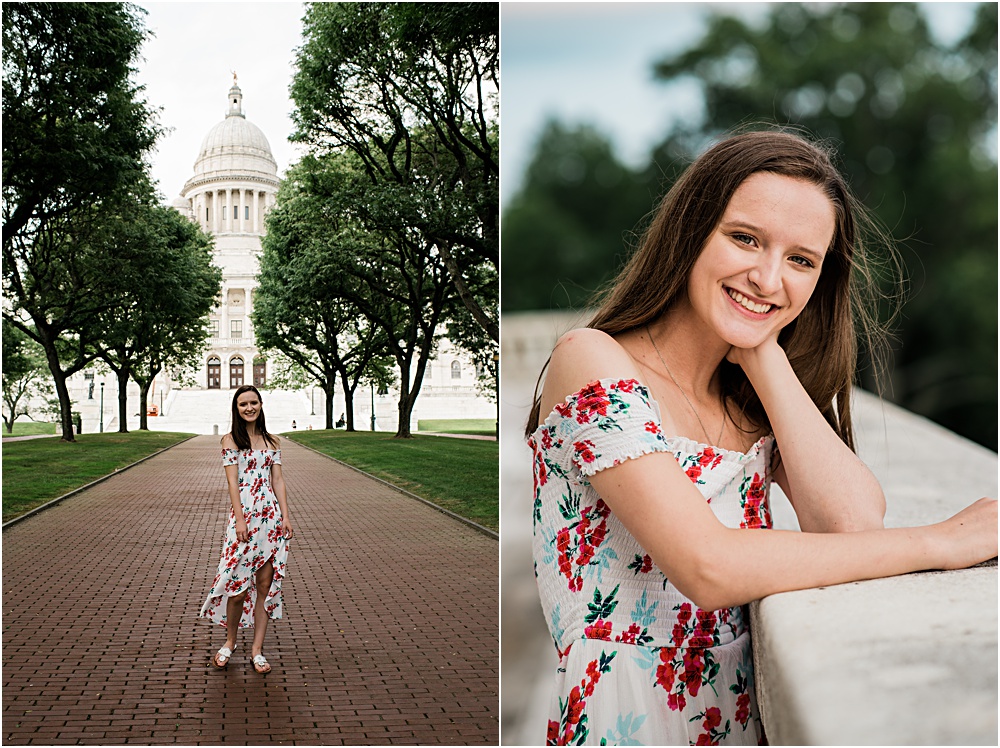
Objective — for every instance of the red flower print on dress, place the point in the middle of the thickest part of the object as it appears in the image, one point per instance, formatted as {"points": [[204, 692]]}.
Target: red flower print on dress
{"points": [[564, 409], [585, 450], [711, 719], [592, 399], [756, 513], [708, 458], [572, 726], [665, 671], [652, 427], [600, 629], [684, 612], [743, 709], [625, 385]]}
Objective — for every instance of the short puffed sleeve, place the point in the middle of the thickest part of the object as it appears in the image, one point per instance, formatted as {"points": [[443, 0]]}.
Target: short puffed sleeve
{"points": [[230, 456], [276, 459], [607, 422]]}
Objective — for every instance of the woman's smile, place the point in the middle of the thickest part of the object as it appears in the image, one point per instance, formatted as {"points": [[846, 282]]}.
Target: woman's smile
{"points": [[754, 307]]}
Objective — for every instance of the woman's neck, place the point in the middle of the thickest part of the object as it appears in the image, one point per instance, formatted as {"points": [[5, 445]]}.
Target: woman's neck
{"points": [[692, 352]]}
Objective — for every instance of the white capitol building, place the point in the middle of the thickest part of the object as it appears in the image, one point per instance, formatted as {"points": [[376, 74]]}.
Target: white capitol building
{"points": [[234, 185]]}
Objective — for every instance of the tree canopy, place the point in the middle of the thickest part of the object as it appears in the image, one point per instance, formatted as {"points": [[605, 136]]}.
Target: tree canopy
{"points": [[412, 91]]}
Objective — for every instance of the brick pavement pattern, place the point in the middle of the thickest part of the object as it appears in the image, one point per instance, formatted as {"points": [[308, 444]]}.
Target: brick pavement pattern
{"points": [[390, 632]]}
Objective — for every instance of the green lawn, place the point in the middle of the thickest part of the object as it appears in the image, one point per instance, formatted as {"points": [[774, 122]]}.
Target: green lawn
{"points": [[480, 426], [39, 470], [460, 475], [29, 428]]}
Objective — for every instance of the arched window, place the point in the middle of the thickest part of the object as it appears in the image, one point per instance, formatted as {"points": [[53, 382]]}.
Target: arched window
{"points": [[259, 371], [456, 370]]}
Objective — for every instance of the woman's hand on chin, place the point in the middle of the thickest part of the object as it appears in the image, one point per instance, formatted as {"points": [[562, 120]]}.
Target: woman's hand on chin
{"points": [[747, 357]]}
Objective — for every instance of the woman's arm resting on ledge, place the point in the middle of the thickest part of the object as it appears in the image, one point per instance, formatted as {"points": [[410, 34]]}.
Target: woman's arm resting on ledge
{"points": [[719, 567]]}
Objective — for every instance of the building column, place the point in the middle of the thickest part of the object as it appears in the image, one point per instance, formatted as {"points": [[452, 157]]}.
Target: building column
{"points": [[256, 211], [248, 309], [224, 313]]}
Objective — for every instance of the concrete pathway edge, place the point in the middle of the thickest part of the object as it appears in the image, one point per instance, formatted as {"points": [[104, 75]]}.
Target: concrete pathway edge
{"points": [[93, 483], [459, 517]]}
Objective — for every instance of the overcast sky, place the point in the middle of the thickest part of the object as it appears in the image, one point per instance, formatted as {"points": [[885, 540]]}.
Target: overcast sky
{"points": [[580, 62], [592, 62], [187, 72]]}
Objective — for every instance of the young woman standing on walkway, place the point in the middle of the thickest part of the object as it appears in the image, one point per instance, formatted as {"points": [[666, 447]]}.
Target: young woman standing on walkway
{"points": [[247, 589], [728, 336]]}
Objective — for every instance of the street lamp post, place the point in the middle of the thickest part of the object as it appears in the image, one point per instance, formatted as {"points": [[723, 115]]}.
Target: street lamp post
{"points": [[496, 374], [312, 401], [372, 387], [102, 407]]}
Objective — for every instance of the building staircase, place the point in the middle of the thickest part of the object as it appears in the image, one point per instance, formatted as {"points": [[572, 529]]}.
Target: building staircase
{"points": [[210, 411]]}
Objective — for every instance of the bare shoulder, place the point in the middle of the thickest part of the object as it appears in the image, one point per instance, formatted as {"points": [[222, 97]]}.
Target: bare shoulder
{"points": [[228, 442], [275, 441], [582, 356]]}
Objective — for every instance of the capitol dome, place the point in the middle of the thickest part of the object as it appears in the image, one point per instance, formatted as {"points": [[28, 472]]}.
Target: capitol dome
{"points": [[234, 149]]}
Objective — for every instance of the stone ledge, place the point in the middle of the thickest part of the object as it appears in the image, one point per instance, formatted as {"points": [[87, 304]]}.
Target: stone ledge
{"points": [[909, 660]]}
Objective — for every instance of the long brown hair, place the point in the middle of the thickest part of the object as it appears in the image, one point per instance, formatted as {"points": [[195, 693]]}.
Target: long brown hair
{"points": [[821, 343], [239, 429]]}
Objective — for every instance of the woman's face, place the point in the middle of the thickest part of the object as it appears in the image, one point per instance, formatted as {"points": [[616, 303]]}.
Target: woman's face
{"points": [[761, 263], [248, 406]]}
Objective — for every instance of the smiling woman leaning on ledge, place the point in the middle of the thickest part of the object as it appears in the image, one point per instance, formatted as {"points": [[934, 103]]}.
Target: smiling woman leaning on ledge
{"points": [[720, 360]]}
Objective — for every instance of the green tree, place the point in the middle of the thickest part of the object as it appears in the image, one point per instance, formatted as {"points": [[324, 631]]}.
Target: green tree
{"points": [[75, 134], [302, 308], [412, 91], [166, 287], [24, 373], [915, 124], [395, 279], [566, 230]]}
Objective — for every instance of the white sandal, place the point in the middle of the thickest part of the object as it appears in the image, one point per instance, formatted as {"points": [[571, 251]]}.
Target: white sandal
{"points": [[225, 653], [259, 662]]}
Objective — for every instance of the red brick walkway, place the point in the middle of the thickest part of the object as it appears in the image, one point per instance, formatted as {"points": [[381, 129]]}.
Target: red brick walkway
{"points": [[390, 632]]}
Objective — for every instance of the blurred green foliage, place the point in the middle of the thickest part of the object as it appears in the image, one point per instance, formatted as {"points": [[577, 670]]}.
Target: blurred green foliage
{"points": [[914, 124]]}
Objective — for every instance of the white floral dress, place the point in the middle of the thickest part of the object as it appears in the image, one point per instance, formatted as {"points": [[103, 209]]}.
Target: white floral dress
{"points": [[241, 561], [639, 664]]}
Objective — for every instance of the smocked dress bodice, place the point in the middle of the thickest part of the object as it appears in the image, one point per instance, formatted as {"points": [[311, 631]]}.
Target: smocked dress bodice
{"points": [[639, 662]]}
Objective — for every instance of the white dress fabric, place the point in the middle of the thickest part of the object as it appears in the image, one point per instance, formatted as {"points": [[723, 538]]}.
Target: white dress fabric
{"points": [[639, 664], [241, 561]]}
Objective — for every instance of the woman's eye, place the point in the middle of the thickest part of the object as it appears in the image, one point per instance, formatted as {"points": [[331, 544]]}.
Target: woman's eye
{"points": [[744, 239], [803, 261]]}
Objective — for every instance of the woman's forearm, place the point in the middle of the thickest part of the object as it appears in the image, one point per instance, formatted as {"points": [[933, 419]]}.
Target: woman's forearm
{"points": [[758, 563], [831, 489]]}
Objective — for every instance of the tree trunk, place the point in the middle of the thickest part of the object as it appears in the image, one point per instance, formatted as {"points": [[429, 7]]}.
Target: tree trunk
{"points": [[62, 391], [348, 402], [122, 376], [143, 408], [329, 392]]}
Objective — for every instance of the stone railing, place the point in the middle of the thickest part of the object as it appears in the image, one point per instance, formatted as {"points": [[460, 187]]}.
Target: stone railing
{"points": [[905, 660]]}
